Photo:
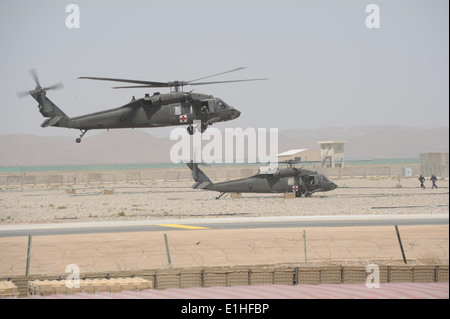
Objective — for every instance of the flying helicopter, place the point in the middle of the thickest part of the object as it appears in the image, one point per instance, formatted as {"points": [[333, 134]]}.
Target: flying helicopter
{"points": [[158, 110], [267, 180]]}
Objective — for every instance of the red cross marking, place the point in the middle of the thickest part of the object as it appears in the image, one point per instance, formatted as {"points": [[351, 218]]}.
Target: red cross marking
{"points": [[183, 118]]}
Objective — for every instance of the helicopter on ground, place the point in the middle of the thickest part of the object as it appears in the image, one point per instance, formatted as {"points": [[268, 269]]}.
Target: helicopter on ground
{"points": [[268, 180], [158, 110]]}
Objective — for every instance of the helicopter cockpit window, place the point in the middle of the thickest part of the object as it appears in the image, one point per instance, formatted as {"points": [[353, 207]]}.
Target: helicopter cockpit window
{"points": [[323, 179], [222, 105]]}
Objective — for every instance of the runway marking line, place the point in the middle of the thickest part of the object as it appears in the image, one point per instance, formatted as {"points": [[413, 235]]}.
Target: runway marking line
{"points": [[183, 226]]}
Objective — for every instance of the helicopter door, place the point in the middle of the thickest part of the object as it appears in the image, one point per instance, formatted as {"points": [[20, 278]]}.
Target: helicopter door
{"points": [[186, 108], [179, 114]]}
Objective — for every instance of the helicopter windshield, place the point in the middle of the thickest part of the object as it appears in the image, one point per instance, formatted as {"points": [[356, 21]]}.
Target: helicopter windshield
{"points": [[324, 179], [221, 104]]}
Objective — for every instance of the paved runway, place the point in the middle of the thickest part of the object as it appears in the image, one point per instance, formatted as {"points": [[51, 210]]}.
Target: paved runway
{"points": [[222, 223]]}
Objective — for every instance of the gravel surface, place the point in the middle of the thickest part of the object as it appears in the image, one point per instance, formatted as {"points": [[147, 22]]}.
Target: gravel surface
{"points": [[162, 200]]}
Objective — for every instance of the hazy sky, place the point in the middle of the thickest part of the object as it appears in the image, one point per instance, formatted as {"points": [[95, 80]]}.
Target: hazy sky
{"points": [[326, 68]]}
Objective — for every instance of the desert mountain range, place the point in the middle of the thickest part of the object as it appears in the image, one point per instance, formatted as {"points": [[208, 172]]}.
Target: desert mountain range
{"points": [[139, 146]]}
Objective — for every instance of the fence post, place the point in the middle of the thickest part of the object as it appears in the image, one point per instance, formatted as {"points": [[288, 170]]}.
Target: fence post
{"points": [[304, 245], [400, 242], [167, 250], [436, 273], [388, 273], [203, 278], [27, 269]]}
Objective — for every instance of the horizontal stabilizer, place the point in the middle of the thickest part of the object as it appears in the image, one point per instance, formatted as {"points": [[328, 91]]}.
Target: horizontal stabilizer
{"points": [[202, 181], [51, 121], [200, 185]]}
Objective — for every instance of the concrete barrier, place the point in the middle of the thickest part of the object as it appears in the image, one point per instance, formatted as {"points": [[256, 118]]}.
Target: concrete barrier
{"points": [[8, 289], [224, 276], [56, 179], [434, 163], [50, 287]]}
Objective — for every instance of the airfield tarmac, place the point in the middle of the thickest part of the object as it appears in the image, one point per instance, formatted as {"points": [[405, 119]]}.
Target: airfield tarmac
{"points": [[191, 247]]}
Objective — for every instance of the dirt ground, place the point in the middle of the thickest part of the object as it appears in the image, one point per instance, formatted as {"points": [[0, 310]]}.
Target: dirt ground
{"points": [[207, 248], [163, 200], [204, 248]]}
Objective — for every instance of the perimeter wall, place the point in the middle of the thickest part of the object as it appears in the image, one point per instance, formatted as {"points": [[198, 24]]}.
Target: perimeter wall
{"points": [[434, 163]]}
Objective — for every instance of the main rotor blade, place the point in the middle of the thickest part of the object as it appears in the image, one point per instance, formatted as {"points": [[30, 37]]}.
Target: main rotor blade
{"points": [[139, 86], [149, 83], [218, 82], [210, 76]]}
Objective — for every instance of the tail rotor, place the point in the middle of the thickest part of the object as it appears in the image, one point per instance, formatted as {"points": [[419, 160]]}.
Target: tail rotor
{"points": [[39, 90]]}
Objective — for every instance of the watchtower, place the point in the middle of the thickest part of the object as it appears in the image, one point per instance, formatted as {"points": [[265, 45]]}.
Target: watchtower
{"points": [[332, 152]]}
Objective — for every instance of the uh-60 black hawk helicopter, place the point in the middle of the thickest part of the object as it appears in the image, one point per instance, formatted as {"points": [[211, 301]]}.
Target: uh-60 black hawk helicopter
{"points": [[268, 180], [167, 109]]}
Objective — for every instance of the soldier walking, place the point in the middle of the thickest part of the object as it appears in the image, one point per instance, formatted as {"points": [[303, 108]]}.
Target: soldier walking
{"points": [[433, 180], [422, 180]]}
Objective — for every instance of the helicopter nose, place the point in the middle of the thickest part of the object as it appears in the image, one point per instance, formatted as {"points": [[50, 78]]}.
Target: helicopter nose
{"points": [[235, 113], [332, 186]]}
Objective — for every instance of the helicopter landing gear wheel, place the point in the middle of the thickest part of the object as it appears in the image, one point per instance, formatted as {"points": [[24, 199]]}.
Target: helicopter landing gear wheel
{"points": [[190, 130], [78, 140], [308, 194]]}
